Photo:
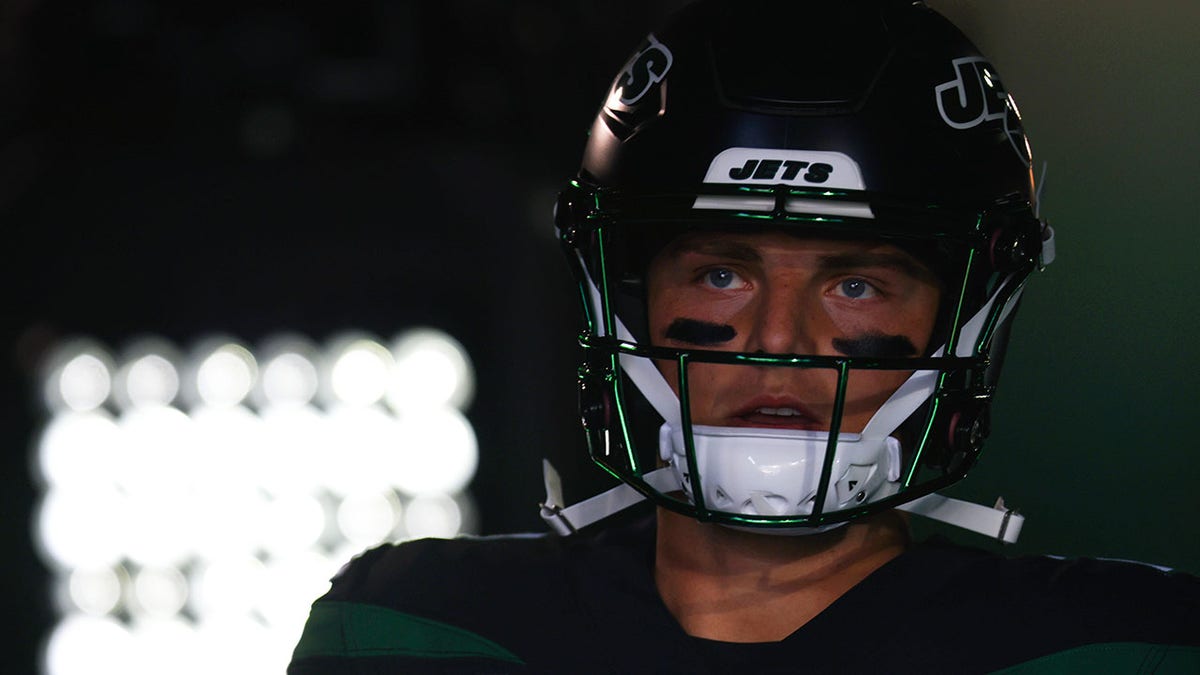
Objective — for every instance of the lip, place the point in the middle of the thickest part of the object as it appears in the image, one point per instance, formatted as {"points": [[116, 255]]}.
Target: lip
{"points": [[776, 412]]}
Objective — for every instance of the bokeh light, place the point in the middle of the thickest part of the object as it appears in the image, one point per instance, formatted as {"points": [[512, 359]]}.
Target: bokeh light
{"points": [[436, 452], [85, 645], [95, 591], [367, 518], [78, 376], [159, 592], [193, 506], [431, 370], [433, 516], [81, 527], [292, 523], [149, 375], [290, 378], [359, 370], [78, 449], [289, 372], [225, 374]]}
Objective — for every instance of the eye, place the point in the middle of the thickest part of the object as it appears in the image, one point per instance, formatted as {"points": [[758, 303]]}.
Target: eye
{"points": [[721, 277], [856, 289]]}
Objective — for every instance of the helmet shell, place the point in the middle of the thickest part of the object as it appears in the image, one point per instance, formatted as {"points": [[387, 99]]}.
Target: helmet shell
{"points": [[892, 85]]}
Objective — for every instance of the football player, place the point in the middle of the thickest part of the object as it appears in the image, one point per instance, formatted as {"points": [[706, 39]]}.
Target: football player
{"points": [[800, 231]]}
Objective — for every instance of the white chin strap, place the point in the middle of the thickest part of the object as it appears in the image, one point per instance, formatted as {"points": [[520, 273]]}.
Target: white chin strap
{"points": [[775, 472]]}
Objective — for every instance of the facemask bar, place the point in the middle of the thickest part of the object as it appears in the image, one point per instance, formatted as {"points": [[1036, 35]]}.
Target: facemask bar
{"points": [[689, 435]]}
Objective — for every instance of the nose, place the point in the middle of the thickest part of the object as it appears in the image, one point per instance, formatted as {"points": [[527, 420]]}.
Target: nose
{"points": [[783, 319]]}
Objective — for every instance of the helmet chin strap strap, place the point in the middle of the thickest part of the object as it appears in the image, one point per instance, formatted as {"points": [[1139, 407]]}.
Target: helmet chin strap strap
{"points": [[999, 522]]}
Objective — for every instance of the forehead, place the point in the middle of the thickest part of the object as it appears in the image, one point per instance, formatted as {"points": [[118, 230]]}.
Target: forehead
{"points": [[792, 249]]}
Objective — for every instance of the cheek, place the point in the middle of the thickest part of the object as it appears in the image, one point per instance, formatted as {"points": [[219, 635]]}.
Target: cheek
{"points": [[661, 310], [670, 372], [708, 386], [681, 320], [866, 392], [922, 316], [913, 320]]}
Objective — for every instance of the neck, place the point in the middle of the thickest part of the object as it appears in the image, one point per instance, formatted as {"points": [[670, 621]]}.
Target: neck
{"points": [[735, 586]]}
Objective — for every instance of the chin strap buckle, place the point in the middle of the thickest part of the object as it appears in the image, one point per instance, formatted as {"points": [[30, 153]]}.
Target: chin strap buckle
{"points": [[552, 509], [567, 520], [999, 521]]}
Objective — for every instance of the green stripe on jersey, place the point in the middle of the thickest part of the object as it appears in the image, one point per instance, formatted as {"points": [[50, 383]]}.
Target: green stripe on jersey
{"points": [[1114, 657], [348, 629]]}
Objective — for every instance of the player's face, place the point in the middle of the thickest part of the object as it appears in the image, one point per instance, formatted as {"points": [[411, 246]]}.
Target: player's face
{"points": [[780, 294]]}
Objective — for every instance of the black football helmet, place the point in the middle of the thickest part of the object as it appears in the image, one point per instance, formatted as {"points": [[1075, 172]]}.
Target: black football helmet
{"points": [[852, 119]]}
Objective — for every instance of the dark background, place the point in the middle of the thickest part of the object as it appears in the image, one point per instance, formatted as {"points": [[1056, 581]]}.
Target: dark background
{"points": [[258, 167]]}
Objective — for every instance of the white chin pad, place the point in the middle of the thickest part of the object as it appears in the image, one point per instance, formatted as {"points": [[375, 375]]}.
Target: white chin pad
{"points": [[775, 472]]}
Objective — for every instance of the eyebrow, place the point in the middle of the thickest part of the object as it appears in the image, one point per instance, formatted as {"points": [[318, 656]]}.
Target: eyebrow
{"points": [[733, 250], [736, 250], [899, 261]]}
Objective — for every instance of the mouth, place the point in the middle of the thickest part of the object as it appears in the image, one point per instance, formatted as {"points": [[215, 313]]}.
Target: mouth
{"points": [[776, 414]]}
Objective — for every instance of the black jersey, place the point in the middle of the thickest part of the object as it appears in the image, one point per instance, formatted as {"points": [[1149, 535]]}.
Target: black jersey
{"points": [[588, 604]]}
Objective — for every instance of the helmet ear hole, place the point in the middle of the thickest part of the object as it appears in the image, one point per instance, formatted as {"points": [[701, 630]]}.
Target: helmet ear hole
{"points": [[1016, 244], [595, 402], [968, 428], [568, 211]]}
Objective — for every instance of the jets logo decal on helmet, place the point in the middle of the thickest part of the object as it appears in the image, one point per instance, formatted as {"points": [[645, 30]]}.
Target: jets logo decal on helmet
{"points": [[973, 97], [647, 68], [976, 96], [790, 167], [767, 166]]}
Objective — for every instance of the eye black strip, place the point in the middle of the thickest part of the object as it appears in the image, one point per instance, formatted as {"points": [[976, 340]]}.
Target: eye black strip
{"points": [[701, 333], [875, 345]]}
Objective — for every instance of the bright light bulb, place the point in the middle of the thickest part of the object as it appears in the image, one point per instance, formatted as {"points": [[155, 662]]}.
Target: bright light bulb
{"points": [[360, 372], [436, 453], [290, 585], [159, 592], [227, 523], [150, 380], [289, 378], [226, 589], [226, 375], [432, 516], [155, 453], [83, 645], [432, 369], [228, 450], [299, 438], [81, 527], [367, 519], [164, 645], [80, 376], [366, 444], [95, 591], [157, 528], [79, 449], [292, 523], [234, 646]]}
